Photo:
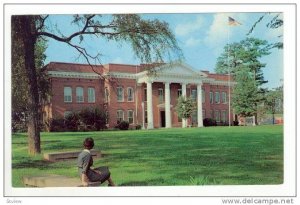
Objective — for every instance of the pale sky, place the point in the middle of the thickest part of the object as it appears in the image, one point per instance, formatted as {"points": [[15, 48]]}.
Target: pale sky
{"points": [[201, 37]]}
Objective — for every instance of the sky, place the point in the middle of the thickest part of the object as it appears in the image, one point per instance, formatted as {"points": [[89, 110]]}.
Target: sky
{"points": [[201, 36]]}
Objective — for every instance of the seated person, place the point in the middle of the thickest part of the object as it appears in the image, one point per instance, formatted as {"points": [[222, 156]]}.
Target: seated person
{"points": [[85, 161]]}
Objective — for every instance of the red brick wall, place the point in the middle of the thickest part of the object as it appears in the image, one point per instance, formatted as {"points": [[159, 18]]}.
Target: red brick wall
{"points": [[57, 101]]}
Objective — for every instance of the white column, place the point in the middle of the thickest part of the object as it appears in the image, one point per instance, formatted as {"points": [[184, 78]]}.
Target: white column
{"points": [[168, 105], [149, 106], [199, 105], [183, 89]]}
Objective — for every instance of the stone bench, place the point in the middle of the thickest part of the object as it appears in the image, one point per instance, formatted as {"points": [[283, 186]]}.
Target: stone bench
{"points": [[57, 156], [55, 181]]}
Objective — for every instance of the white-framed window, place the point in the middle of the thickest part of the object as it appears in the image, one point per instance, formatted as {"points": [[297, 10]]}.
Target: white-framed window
{"points": [[130, 116], [145, 94], [107, 115], [224, 97], [194, 94], [120, 94], [217, 115], [67, 94], [106, 95], [67, 113], [91, 95], [203, 96], [179, 93], [130, 94], [120, 116], [217, 97], [211, 114], [79, 94], [194, 118], [160, 95], [224, 115], [146, 116], [211, 97]]}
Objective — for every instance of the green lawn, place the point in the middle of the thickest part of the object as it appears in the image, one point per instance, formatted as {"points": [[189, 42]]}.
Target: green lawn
{"points": [[191, 156]]}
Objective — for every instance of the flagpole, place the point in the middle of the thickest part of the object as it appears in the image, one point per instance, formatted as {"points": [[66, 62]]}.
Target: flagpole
{"points": [[229, 100]]}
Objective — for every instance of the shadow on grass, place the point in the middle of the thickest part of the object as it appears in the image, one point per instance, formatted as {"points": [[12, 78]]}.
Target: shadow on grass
{"points": [[28, 163]]}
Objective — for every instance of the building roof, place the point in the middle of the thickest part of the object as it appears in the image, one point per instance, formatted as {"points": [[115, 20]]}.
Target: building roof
{"points": [[73, 67], [121, 68]]}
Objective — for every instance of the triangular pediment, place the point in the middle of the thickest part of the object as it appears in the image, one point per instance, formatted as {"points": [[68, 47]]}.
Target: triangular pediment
{"points": [[179, 69]]}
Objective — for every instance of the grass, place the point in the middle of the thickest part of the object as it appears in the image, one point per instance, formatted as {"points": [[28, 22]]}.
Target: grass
{"points": [[191, 156]]}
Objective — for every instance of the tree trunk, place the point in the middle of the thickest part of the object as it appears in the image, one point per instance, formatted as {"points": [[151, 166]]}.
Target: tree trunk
{"points": [[27, 30]]}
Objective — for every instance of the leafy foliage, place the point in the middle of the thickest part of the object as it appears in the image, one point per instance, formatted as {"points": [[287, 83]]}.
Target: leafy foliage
{"points": [[123, 125], [185, 107]]}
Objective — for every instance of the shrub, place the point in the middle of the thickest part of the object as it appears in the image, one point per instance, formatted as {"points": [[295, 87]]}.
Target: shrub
{"points": [[207, 122], [123, 125], [57, 125], [138, 127], [93, 118], [72, 122], [235, 123]]}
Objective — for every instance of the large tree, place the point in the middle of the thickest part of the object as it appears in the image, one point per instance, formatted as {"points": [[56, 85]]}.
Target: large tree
{"points": [[244, 58], [185, 108], [274, 102], [151, 41]]}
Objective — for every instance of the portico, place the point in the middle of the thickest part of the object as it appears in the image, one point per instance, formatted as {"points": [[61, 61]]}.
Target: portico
{"points": [[177, 73]]}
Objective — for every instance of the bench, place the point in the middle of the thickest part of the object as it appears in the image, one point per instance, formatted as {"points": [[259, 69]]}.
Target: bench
{"points": [[57, 156], [55, 181]]}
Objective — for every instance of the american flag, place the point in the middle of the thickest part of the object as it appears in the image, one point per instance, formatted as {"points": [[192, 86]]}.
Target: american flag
{"points": [[233, 22]]}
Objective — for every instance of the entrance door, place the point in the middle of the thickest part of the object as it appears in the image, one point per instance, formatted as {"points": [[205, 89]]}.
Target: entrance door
{"points": [[162, 118]]}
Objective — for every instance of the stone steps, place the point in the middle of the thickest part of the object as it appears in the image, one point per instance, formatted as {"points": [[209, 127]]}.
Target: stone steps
{"points": [[58, 156], [54, 181]]}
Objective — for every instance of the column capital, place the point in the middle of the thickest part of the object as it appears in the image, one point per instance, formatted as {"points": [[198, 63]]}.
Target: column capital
{"points": [[166, 83]]}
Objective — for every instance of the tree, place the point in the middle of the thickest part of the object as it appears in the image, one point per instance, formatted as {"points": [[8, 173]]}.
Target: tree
{"points": [[20, 81], [275, 22], [274, 102], [151, 41], [245, 92], [243, 58], [185, 107]]}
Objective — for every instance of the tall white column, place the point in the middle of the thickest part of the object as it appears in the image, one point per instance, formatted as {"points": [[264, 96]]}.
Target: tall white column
{"points": [[183, 89], [149, 106], [168, 105], [199, 105]]}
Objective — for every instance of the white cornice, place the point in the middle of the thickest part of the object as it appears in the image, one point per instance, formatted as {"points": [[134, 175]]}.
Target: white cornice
{"points": [[62, 74]]}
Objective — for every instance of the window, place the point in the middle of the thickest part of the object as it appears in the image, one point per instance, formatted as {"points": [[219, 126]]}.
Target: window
{"points": [[203, 96], [146, 116], [79, 94], [106, 95], [217, 97], [91, 95], [120, 116], [160, 95], [194, 118], [217, 115], [145, 95], [67, 114], [224, 97], [211, 97], [203, 113], [211, 114], [179, 92], [224, 116], [194, 94], [106, 117], [120, 94], [130, 94], [67, 94], [130, 116]]}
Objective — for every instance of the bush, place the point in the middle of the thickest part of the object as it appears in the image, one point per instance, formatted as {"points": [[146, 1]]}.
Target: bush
{"points": [[123, 125], [235, 123], [57, 125], [207, 122], [93, 118], [72, 122], [138, 127]]}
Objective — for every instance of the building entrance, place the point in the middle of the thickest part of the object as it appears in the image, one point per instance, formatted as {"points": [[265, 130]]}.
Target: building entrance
{"points": [[162, 118]]}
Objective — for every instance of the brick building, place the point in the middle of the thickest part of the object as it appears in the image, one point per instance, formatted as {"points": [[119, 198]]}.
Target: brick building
{"points": [[128, 92]]}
